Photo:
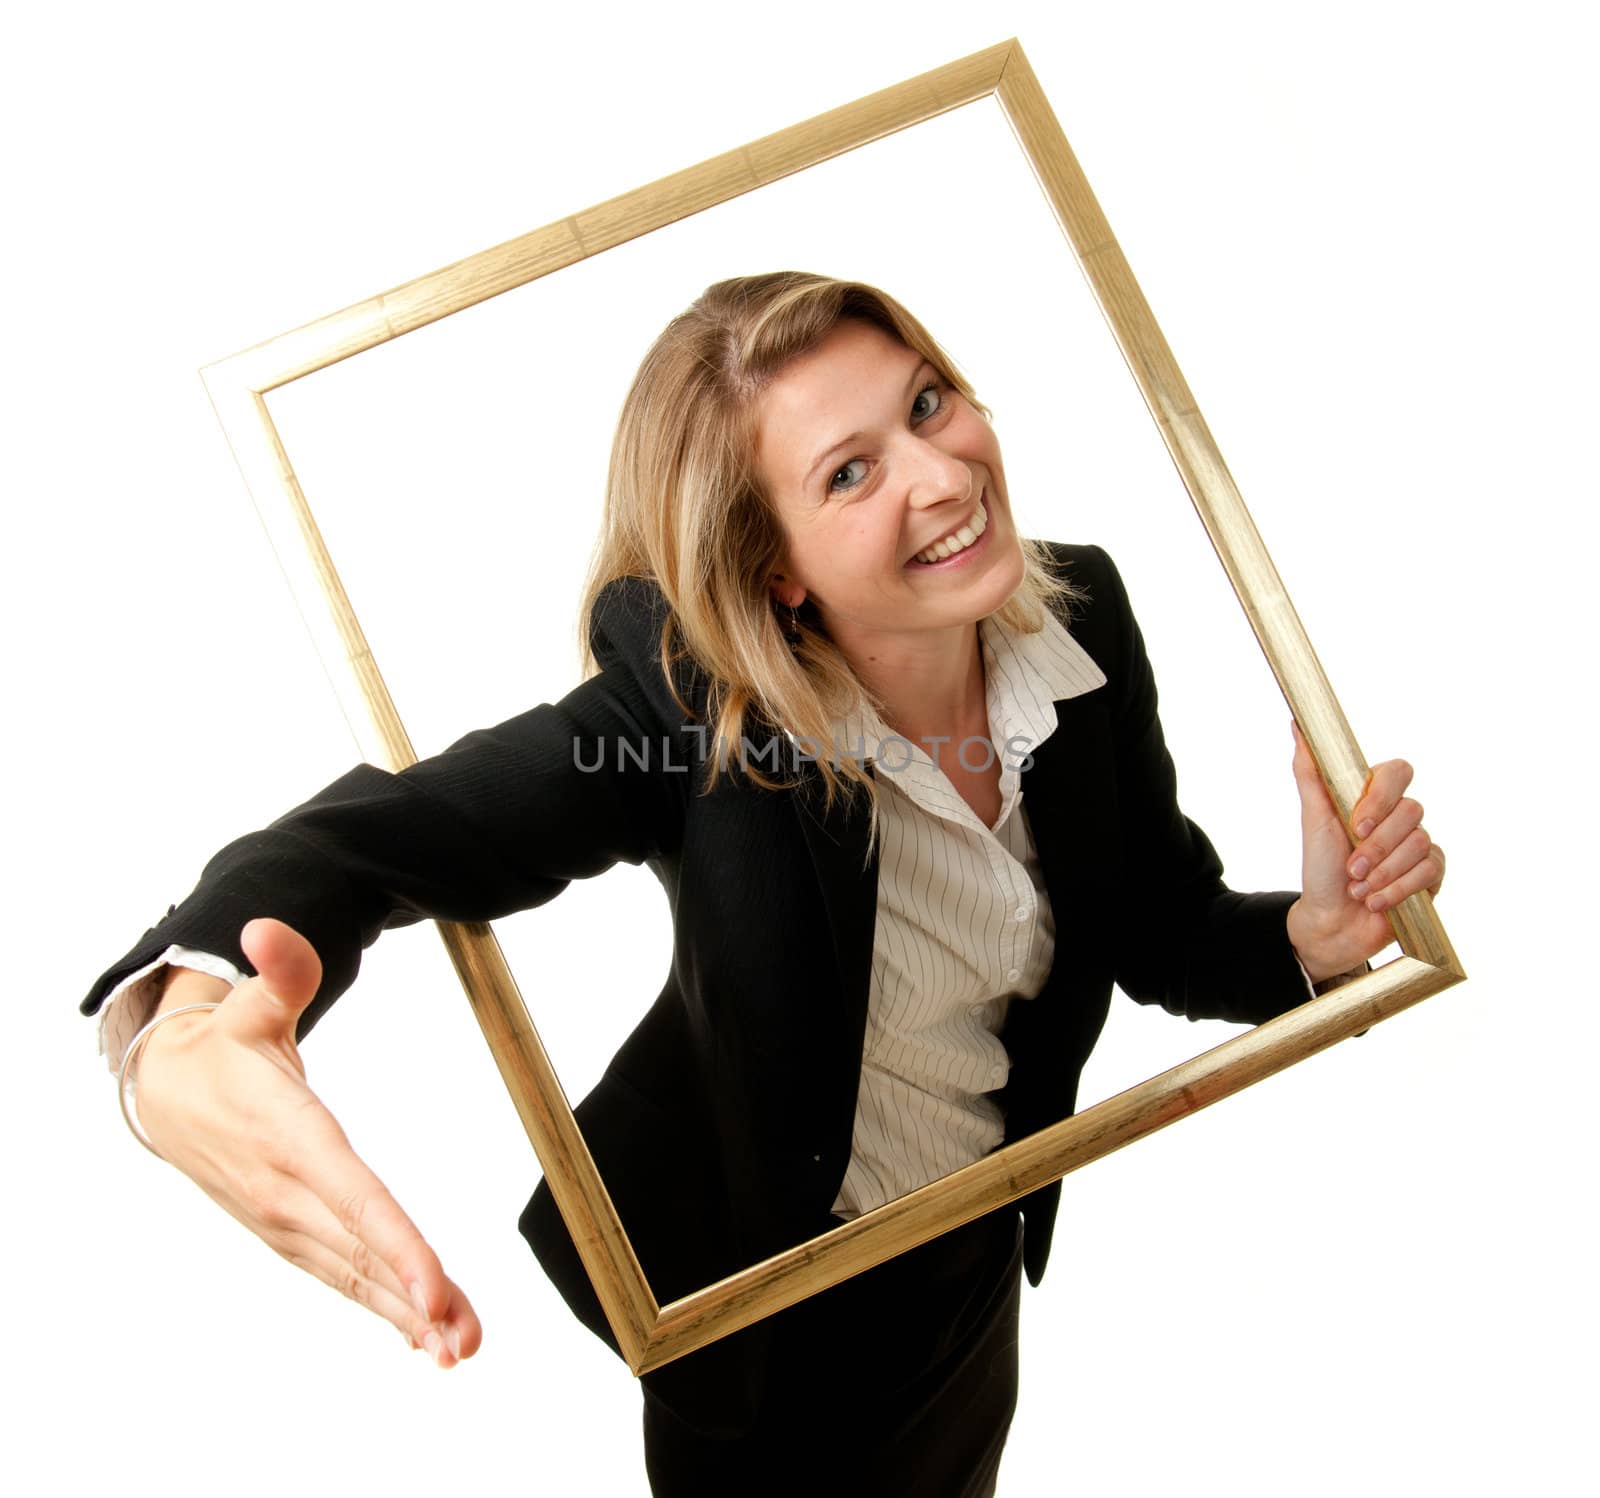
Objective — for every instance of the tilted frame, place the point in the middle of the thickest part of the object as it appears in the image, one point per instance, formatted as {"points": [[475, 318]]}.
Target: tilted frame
{"points": [[650, 1334]]}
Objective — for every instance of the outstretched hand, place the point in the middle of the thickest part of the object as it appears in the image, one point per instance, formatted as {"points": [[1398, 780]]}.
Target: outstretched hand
{"points": [[1338, 921], [223, 1096]]}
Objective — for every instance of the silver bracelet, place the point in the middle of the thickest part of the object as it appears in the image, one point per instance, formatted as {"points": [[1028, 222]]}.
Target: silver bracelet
{"points": [[128, 1076]]}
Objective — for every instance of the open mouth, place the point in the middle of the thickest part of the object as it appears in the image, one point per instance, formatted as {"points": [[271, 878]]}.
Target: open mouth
{"points": [[958, 543]]}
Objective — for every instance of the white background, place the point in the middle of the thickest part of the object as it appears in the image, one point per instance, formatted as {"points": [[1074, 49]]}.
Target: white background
{"points": [[1365, 232]]}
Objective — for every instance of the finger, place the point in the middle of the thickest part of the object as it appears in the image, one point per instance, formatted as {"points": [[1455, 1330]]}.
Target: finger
{"points": [[1384, 788], [333, 1269], [312, 1255], [1389, 835], [298, 1225], [458, 1324], [1411, 851], [316, 1258], [463, 1320], [364, 1209], [307, 1216], [1438, 859], [1418, 877], [275, 1209]]}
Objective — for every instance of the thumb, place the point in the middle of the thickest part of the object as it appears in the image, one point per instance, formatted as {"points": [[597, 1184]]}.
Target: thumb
{"points": [[288, 974], [1316, 808]]}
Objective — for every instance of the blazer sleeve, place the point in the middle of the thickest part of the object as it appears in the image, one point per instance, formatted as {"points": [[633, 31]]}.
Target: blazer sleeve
{"points": [[1184, 940], [500, 821]]}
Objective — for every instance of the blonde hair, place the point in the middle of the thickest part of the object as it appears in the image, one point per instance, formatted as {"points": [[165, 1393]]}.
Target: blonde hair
{"points": [[685, 509]]}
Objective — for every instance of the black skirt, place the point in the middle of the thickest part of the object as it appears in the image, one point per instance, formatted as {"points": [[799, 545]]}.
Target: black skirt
{"points": [[902, 1380]]}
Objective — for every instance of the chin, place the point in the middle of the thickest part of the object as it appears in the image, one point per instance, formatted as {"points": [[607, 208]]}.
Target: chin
{"points": [[993, 600]]}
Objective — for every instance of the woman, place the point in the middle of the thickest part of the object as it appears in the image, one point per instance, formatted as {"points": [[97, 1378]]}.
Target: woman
{"points": [[912, 826]]}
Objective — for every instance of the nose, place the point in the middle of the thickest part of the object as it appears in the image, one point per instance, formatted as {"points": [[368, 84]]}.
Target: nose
{"points": [[935, 476]]}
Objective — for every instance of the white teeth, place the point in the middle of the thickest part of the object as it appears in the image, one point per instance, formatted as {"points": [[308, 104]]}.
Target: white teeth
{"points": [[958, 540]]}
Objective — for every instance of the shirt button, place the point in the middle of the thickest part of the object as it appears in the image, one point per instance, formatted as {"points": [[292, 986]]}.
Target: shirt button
{"points": [[1022, 912], [1013, 975]]}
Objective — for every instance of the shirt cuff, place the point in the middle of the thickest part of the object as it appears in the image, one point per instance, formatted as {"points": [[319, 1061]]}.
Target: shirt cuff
{"points": [[1323, 985], [130, 1004]]}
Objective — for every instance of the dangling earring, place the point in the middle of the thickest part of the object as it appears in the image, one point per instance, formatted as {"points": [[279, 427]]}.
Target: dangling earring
{"points": [[792, 634]]}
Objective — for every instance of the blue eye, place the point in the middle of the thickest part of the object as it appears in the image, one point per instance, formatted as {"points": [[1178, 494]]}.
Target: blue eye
{"points": [[834, 486], [917, 418]]}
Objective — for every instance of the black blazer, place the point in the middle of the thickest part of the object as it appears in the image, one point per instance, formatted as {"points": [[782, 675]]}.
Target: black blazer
{"points": [[723, 1125]]}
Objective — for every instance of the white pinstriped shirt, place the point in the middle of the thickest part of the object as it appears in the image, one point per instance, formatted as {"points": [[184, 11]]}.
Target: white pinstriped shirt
{"points": [[964, 926]]}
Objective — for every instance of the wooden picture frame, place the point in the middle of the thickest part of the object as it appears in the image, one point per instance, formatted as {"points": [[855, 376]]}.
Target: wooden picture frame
{"points": [[650, 1334]]}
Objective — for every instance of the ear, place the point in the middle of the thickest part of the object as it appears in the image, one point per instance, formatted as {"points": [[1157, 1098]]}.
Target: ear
{"points": [[790, 594]]}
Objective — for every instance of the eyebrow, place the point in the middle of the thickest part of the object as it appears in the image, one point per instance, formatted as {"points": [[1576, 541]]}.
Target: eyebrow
{"points": [[828, 452]]}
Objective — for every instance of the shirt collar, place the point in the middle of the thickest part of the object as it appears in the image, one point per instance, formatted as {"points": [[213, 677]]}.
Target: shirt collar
{"points": [[1025, 673]]}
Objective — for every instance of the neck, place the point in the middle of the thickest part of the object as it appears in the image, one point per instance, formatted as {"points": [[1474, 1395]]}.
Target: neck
{"points": [[930, 685]]}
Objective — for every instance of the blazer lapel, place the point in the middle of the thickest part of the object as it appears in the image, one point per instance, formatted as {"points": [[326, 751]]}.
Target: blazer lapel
{"points": [[837, 842], [1071, 807]]}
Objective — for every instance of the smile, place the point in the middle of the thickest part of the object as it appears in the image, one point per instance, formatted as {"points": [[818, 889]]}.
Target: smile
{"points": [[958, 540]]}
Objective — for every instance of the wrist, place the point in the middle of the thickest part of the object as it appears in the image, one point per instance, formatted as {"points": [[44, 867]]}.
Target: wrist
{"points": [[128, 1077], [1319, 951], [185, 987]]}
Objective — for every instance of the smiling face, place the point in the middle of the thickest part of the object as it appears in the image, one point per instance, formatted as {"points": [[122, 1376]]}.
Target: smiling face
{"points": [[892, 497]]}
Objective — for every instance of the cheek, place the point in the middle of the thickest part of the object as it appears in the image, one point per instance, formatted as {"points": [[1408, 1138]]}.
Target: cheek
{"points": [[881, 543], [971, 421], [989, 446], [855, 556], [860, 535]]}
